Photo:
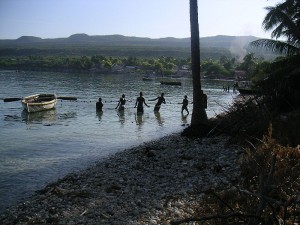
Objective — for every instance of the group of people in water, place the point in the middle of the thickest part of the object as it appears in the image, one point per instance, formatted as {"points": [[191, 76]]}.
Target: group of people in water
{"points": [[235, 86], [140, 102]]}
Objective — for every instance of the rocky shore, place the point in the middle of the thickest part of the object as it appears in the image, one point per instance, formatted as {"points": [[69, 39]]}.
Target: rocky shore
{"points": [[154, 183]]}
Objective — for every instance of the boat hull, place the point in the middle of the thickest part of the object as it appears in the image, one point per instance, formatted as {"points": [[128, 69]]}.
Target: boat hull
{"points": [[171, 82], [39, 102], [147, 79], [247, 91]]}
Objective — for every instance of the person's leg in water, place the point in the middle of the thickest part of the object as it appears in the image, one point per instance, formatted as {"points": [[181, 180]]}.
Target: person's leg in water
{"points": [[185, 108], [140, 110], [156, 108]]}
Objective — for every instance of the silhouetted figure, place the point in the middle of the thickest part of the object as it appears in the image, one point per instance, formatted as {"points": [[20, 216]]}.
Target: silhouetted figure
{"points": [[121, 103], [203, 99], [185, 103], [99, 105], [235, 87], [161, 100], [140, 102]]}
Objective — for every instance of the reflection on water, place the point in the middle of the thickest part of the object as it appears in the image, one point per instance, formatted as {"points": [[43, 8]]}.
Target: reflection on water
{"points": [[99, 114], [12, 118], [159, 119], [121, 114], [184, 119], [139, 117], [67, 115], [48, 116]]}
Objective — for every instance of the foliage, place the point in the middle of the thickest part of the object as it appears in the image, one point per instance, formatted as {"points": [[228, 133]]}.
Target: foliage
{"points": [[222, 68], [284, 21], [247, 119], [267, 193], [280, 47], [261, 71], [161, 65], [282, 84], [113, 51]]}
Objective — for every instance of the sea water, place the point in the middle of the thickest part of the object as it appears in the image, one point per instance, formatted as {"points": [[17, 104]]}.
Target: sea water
{"points": [[37, 149]]}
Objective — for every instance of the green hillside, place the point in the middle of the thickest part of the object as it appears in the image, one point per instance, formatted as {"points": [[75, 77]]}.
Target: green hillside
{"points": [[118, 45]]}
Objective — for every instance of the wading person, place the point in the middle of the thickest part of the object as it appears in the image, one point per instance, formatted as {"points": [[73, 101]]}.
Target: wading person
{"points": [[161, 100], [99, 105], [140, 102], [185, 103], [121, 103]]}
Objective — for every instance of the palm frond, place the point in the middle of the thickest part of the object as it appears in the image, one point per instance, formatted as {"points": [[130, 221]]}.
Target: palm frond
{"points": [[271, 19], [284, 20], [276, 46]]}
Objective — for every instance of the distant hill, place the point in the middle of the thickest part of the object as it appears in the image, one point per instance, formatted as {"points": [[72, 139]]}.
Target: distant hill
{"points": [[119, 45], [220, 41]]}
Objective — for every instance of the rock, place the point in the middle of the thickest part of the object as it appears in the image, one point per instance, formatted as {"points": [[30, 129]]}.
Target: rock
{"points": [[148, 184]]}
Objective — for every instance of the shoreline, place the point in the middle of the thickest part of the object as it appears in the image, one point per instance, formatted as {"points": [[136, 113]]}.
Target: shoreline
{"points": [[152, 183], [157, 76]]}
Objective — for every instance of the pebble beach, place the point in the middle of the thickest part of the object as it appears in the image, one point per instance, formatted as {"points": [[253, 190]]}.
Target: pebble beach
{"points": [[154, 183]]}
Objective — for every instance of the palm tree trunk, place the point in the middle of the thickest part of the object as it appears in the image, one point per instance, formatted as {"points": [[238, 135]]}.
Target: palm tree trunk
{"points": [[199, 114]]}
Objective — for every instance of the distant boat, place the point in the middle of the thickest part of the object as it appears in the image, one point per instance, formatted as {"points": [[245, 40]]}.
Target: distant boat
{"points": [[147, 79], [171, 82], [39, 102], [247, 91]]}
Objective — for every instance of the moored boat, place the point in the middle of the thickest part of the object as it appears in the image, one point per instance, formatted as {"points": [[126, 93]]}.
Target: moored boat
{"points": [[148, 79], [39, 102], [247, 91], [171, 82]]}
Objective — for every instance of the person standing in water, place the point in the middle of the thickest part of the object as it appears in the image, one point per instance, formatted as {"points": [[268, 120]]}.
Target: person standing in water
{"points": [[121, 103], [185, 103], [161, 100], [99, 105], [140, 102]]}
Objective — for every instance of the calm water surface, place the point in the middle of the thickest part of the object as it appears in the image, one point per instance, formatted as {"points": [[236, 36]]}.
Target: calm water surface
{"points": [[39, 148]]}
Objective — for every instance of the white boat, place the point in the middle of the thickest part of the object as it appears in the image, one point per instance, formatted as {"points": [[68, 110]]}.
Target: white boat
{"points": [[39, 102]]}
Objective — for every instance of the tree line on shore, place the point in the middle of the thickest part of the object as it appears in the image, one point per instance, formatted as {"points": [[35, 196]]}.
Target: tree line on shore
{"points": [[224, 67]]}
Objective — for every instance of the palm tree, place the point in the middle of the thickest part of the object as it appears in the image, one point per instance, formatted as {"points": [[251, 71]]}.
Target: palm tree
{"points": [[283, 76], [199, 114], [284, 20]]}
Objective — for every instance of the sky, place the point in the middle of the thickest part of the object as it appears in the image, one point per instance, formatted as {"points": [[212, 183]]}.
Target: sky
{"points": [[139, 18]]}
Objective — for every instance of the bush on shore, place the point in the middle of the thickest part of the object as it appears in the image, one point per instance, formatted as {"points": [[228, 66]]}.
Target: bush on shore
{"points": [[267, 193], [269, 185]]}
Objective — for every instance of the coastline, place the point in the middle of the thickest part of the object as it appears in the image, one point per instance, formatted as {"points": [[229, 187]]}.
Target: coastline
{"points": [[153, 183]]}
